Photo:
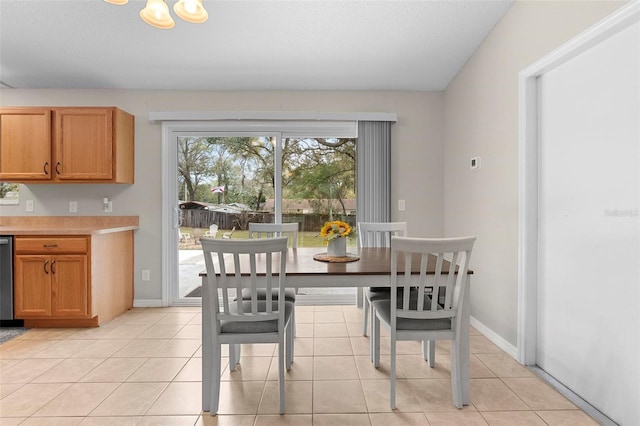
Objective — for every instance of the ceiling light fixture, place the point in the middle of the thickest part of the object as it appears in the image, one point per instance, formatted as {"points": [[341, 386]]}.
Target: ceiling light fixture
{"points": [[156, 12]]}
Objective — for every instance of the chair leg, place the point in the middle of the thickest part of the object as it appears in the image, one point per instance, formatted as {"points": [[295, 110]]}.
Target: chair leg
{"points": [[375, 331], [293, 320], [365, 313], [375, 337], [289, 340], [456, 379], [374, 324], [234, 356], [215, 380], [429, 352], [281, 373], [392, 378]]}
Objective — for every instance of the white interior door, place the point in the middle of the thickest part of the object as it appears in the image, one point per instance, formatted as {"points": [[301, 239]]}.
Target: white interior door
{"points": [[588, 329]]}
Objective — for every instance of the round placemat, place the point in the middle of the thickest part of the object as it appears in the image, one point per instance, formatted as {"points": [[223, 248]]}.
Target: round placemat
{"points": [[324, 257]]}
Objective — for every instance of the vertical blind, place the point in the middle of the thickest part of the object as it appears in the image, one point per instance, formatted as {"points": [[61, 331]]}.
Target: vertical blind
{"points": [[374, 171]]}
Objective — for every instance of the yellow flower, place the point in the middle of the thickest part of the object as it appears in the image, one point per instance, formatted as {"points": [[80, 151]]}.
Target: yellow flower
{"points": [[335, 229]]}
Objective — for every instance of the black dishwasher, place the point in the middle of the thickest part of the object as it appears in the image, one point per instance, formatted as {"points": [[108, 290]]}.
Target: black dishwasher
{"points": [[6, 283]]}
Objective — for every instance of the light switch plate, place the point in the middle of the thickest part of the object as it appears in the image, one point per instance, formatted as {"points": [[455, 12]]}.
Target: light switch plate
{"points": [[73, 207], [401, 205], [29, 206]]}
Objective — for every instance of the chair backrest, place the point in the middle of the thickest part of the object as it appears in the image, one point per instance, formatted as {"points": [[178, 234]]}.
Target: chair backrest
{"points": [[270, 230], [250, 264], [448, 258], [378, 234]]}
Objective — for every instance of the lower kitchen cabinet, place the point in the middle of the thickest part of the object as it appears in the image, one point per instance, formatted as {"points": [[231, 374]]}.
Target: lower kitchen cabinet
{"points": [[78, 281], [51, 286]]}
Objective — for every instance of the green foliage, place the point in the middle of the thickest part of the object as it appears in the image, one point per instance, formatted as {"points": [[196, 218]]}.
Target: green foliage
{"points": [[5, 188], [312, 168]]}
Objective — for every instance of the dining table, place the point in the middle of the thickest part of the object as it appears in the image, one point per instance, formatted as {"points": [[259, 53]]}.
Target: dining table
{"points": [[366, 267]]}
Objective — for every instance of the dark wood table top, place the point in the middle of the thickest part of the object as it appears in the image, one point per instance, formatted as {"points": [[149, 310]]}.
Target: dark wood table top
{"points": [[373, 261]]}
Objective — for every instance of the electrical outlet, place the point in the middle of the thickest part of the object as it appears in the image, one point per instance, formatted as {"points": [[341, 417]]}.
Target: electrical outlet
{"points": [[73, 207], [109, 207], [401, 205], [146, 275], [29, 206]]}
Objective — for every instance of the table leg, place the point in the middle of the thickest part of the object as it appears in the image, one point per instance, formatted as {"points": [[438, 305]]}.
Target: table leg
{"points": [[359, 292]]}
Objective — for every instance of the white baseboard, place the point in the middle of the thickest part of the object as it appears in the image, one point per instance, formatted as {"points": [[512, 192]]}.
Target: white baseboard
{"points": [[573, 397], [498, 340], [147, 303]]}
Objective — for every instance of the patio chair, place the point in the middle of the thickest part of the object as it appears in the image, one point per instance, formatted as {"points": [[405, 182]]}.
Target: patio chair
{"points": [[212, 232], [185, 237], [227, 235], [235, 322]]}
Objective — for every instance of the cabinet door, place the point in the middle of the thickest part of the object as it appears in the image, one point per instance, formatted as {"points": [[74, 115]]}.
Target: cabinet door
{"points": [[25, 144], [32, 286], [69, 286], [83, 144]]}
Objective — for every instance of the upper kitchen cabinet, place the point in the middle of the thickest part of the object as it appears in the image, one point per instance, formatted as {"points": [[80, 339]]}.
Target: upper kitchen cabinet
{"points": [[85, 145], [25, 144]]}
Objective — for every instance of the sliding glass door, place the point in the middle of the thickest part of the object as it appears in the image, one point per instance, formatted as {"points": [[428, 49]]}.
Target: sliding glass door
{"points": [[226, 180]]}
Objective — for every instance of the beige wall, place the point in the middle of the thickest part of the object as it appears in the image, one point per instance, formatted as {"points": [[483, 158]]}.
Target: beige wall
{"points": [[481, 119], [417, 153]]}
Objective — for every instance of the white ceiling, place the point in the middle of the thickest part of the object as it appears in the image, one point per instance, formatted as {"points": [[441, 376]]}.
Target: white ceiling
{"points": [[245, 44]]}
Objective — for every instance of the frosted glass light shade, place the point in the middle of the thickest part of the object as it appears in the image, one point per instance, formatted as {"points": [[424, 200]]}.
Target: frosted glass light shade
{"points": [[191, 11], [156, 14], [118, 2]]}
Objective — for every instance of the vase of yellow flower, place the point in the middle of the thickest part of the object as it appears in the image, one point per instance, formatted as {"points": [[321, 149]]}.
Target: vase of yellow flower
{"points": [[335, 233]]}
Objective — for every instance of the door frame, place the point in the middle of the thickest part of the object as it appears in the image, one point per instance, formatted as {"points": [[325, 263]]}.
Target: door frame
{"points": [[528, 106]]}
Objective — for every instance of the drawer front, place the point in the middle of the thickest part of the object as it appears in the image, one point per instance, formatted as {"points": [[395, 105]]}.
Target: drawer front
{"points": [[41, 245]]}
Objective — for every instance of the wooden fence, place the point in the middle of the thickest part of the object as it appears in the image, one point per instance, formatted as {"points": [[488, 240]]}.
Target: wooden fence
{"points": [[204, 218]]}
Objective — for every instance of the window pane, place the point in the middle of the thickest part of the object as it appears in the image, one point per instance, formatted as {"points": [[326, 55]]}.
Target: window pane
{"points": [[9, 193], [318, 179]]}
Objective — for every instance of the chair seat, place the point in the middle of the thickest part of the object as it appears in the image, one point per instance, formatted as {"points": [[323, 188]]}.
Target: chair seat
{"points": [[289, 294], [383, 307], [241, 327]]}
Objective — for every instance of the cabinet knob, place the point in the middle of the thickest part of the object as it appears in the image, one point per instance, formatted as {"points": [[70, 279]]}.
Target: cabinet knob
{"points": [[53, 267], [46, 171], [46, 263], [57, 167], [50, 245]]}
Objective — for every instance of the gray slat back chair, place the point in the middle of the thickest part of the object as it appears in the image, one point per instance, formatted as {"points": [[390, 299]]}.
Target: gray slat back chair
{"points": [[419, 315], [270, 230], [376, 234], [235, 321]]}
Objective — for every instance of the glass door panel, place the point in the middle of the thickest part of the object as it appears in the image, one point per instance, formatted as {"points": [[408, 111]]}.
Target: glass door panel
{"points": [[225, 182]]}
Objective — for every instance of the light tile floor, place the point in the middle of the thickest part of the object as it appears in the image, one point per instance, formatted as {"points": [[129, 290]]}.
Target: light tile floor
{"points": [[144, 367]]}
